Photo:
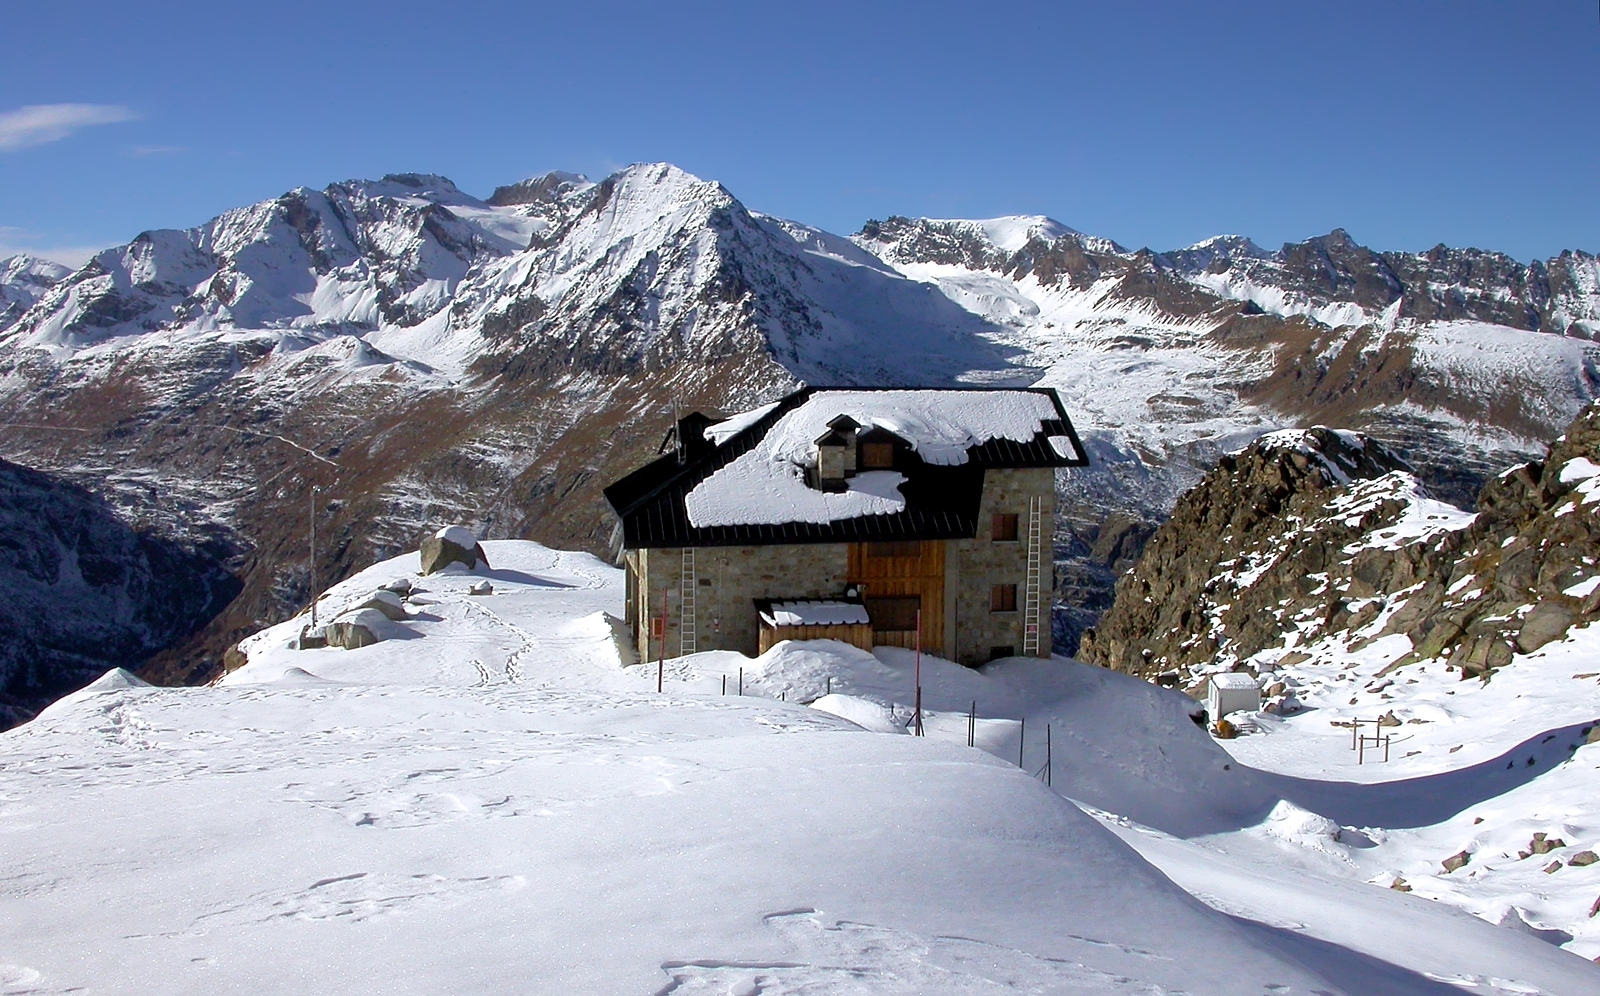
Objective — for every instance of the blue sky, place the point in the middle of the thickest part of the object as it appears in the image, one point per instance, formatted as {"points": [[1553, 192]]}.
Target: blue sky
{"points": [[1153, 123]]}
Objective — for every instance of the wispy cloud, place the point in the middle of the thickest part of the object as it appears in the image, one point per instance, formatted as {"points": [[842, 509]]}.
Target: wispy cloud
{"points": [[38, 124], [18, 240], [158, 150]]}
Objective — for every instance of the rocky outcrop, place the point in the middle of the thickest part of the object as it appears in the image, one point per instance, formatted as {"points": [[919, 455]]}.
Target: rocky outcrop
{"points": [[1317, 534], [452, 545]]}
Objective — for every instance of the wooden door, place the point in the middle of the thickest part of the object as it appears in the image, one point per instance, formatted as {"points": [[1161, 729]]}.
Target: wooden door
{"points": [[903, 569]]}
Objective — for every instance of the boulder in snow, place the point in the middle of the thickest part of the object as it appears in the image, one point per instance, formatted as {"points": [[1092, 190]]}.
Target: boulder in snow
{"points": [[400, 586], [384, 601], [360, 628], [452, 545], [481, 588]]}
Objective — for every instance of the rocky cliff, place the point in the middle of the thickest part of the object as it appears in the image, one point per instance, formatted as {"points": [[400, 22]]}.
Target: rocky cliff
{"points": [[1314, 541], [85, 591]]}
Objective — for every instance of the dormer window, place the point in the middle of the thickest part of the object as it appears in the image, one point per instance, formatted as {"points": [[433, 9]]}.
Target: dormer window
{"points": [[832, 450], [878, 448]]}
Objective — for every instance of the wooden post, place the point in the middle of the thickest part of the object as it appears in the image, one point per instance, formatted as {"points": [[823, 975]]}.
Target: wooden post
{"points": [[918, 645]]}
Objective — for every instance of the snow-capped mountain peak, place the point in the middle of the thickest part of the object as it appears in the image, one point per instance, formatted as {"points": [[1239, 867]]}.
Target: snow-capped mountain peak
{"points": [[23, 280]]}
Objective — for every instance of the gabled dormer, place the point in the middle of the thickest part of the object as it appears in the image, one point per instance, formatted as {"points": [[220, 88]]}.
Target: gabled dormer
{"points": [[879, 449]]}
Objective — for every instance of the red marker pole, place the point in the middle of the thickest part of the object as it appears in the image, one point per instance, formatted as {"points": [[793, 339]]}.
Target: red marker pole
{"points": [[918, 645]]}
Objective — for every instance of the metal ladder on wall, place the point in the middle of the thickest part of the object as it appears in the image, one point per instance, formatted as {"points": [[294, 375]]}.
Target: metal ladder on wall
{"points": [[686, 624], [1033, 598]]}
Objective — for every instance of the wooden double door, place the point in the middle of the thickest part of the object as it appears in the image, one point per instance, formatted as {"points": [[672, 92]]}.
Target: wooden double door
{"points": [[899, 579]]}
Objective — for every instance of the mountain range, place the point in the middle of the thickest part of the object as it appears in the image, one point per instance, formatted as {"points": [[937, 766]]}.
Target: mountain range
{"points": [[390, 355]]}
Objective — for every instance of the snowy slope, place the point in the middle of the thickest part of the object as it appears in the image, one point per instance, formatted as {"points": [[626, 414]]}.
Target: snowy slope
{"points": [[398, 819]]}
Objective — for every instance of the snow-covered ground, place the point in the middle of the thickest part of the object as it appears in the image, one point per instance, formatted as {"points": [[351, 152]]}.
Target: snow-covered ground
{"points": [[489, 801]]}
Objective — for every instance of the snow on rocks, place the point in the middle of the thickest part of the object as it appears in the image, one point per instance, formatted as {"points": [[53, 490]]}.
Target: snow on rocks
{"points": [[452, 545], [360, 628], [383, 601]]}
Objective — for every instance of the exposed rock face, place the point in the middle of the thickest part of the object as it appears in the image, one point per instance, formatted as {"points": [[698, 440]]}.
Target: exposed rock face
{"points": [[1282, 545], [82, 591]]}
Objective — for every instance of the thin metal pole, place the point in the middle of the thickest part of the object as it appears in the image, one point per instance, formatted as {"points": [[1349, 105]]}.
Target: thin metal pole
{"points": [[918, 645], [1049, 772], [741, 681], [1022, 738], [972, 723], [830, 684], [311, 572], [661, 655], [724, 684]]}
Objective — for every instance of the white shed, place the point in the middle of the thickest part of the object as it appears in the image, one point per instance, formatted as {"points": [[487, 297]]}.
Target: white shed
{"points": [[1232, 692]]}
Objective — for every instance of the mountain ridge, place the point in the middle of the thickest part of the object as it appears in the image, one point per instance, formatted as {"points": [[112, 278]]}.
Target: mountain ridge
{"points": [[418, 353]]}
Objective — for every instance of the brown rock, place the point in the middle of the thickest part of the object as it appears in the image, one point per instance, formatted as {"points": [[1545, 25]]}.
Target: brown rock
{"points": [[1552, 867], [1582, 858], [1456, 861], [1399, 885], [440, 550], [1547, 622]]}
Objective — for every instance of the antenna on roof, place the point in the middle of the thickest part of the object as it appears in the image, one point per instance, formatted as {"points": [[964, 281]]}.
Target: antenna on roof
{"points": [[677, 430]]}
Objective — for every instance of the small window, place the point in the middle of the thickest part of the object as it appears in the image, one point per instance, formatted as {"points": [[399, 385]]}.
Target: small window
{"points": [[1003, 598], [877, 456], [1003, 527], [894, 548], [894, 613], [995, 653]]}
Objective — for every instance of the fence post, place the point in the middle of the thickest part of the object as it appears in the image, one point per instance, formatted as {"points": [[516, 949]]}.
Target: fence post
{"points": [[919, 672], [972, 724], [830, 684], [1049, 772], [724, 684], [741, 681], [1022, 738]]}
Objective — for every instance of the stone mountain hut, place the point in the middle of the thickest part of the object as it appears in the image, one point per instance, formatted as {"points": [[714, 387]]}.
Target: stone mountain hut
{"points": [[851, 515]]}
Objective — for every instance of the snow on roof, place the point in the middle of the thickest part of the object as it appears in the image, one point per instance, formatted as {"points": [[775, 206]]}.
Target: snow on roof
{"points": [[725, 430], [816, 613], [939, 425], [767, 484], [1233, 681]]}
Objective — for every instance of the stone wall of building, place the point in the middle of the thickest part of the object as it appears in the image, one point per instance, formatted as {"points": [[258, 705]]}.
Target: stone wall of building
{"points": [[982, 562], [728, 580]]}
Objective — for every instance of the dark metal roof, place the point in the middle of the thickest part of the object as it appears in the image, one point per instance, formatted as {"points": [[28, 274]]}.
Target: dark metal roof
{"points": [[941, 501]]}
